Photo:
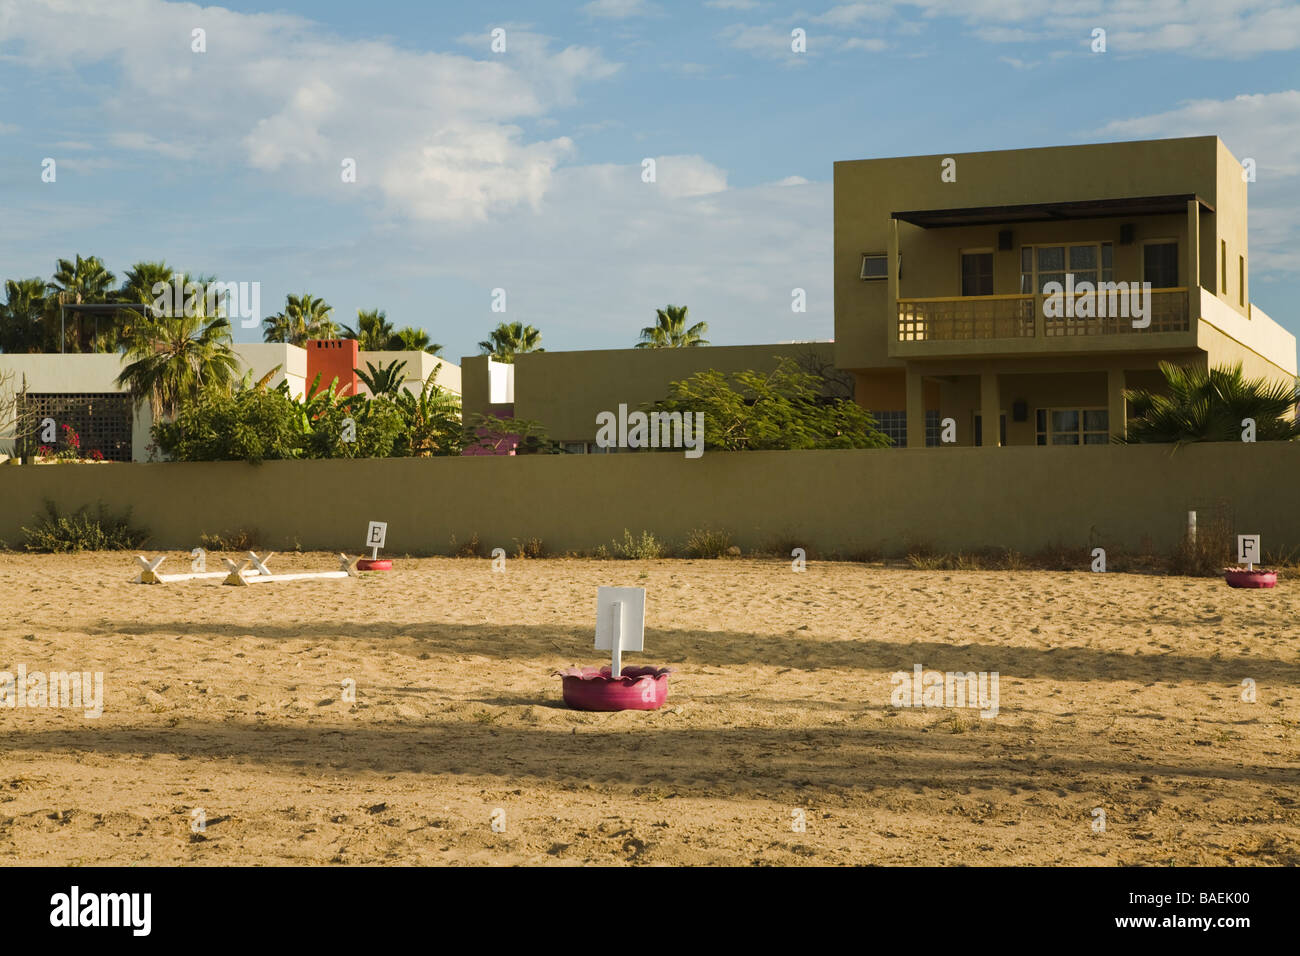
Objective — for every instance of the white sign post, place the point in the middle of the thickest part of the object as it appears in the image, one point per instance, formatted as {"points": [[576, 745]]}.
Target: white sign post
{"points": [[1248, 550], [620, 624], [375, 536]]}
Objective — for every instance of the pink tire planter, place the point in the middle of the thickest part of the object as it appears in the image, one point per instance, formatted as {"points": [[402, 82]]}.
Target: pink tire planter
{"points": [[639, 688], [1259, 578], [374, 564]]}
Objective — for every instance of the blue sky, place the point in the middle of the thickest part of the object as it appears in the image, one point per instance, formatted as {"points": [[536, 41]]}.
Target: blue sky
{"points": [[522, 170]]}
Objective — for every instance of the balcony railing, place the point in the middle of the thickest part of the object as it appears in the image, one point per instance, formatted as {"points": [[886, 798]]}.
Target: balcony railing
{"points": [[953, 318]]}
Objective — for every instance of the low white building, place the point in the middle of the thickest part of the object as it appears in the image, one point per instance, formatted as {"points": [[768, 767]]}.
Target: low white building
{"points": [[80, 390]]}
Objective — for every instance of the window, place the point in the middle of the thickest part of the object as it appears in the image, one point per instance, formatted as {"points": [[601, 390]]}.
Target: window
{"points": [[575, 448], [1073, 426], [875, 265], [1160, 264], [1241, 281], [102, 421], [932, 428], [1223, 266], [1086, 261], [977, 273], [894, 425]]}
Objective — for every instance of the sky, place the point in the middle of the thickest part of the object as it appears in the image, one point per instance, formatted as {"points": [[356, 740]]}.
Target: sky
{"points": [[521, 169]]}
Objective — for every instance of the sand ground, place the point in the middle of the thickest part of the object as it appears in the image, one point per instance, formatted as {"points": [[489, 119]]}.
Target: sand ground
{"points": [[1120, 692]]}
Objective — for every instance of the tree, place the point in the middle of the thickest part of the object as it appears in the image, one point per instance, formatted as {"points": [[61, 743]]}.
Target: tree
{"points": [[494, 433], [670, 331], [138, 287], [781, 409], [509, 339], [177, 357], [81, 282], [374, 333], [1205, 404], [24, 318], [432, 421], [18, 423], [250, 424], [413, 340], [384, 380], [304, 317]]}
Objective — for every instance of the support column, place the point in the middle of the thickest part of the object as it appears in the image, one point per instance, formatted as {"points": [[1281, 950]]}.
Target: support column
{"points": [[891, 283], [915, 409], [1193, 257], [1116, 405], [990, 409]]}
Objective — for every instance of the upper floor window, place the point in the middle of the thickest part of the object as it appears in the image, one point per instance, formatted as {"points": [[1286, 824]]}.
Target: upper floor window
{"points": [[977, 272], [875, 265], [1160, 264], [1086, 261]]}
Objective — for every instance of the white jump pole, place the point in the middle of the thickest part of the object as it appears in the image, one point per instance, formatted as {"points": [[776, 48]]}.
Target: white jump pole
{"points": [[149, 573], [238, 577]]}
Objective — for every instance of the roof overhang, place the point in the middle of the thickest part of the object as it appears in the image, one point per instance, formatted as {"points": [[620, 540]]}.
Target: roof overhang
{"points": [[1051, 211]]}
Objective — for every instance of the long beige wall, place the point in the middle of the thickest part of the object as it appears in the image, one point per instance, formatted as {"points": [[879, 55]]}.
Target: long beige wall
{"points": [[949, 498]]}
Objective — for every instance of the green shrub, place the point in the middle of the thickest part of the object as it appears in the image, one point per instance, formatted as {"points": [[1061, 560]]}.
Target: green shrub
{"points": [[250, 425], [83, 531], [470, 549], [530, 548], [1207, 556], [237, 541], [645, 548], [704, 543]]}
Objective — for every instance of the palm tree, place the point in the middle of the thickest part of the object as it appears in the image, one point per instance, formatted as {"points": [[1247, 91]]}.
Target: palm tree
{"points": [[304, 317], [1209, 405], [374, 333], [670, 331], [510, 339], [384, 380], [175, 358], [24, 318], [82, 282], [413, 340], [138, 287]]}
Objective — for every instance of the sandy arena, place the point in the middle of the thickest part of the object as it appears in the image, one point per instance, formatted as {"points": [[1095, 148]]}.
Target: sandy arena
{"points": [[1117, 691]]}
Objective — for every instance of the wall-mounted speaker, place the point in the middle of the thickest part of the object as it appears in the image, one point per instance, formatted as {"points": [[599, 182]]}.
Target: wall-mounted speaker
{"points": [[1004, 240], [1020, 410], [1126, 234]]}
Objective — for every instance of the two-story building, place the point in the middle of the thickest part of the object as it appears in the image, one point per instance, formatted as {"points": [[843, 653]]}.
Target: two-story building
{"points": [[967, 285]]}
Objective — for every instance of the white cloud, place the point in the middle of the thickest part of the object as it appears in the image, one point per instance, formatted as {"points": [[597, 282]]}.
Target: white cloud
{"points": [[849, 14], [436, 135], [1202, 28], [680, 176], [733, 4], [147, 143], [620, 9], [768, 40], [791, 181], [732, 255], [870, 44]]}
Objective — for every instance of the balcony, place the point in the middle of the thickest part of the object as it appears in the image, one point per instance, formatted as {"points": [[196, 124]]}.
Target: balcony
{"points": [[989, 324]]}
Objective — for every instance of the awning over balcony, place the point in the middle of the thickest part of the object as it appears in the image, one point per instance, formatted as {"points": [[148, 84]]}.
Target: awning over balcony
{"points": [[1047, 212]]}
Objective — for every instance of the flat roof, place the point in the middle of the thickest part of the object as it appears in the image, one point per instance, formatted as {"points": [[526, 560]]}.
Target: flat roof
{"points": [[1048, 211]]}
